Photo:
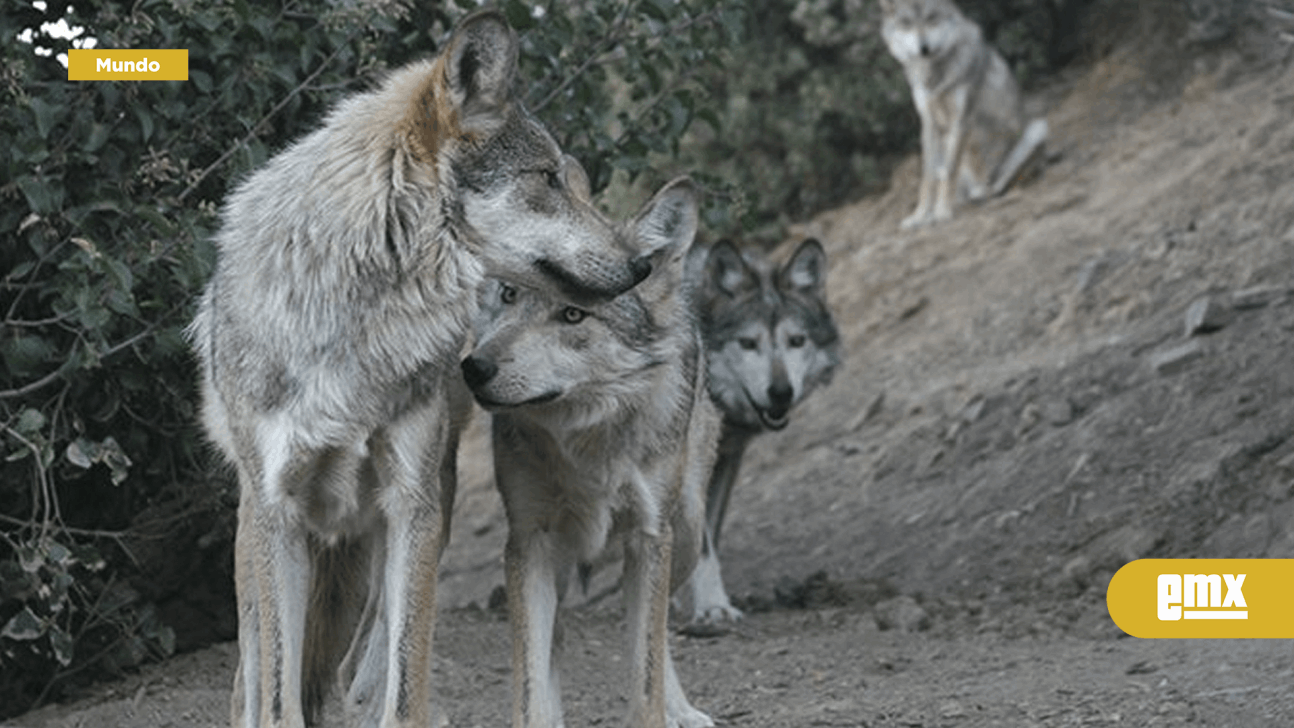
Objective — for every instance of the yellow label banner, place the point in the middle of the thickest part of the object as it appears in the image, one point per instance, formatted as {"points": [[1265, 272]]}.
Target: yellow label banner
{"points": [[1195, 598], [151, 64]]}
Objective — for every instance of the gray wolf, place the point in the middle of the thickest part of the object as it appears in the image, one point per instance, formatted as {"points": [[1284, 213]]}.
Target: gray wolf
{"points": [[602, 429], [974, 141], [328, 339], [770, 340]]}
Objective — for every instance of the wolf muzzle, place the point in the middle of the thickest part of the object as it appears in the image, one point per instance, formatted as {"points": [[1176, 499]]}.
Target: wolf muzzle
{"points": [[583, 292], [477, 371]]}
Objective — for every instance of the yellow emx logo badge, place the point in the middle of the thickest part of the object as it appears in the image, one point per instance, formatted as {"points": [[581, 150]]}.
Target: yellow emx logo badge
{"points": [[1204, 598]]}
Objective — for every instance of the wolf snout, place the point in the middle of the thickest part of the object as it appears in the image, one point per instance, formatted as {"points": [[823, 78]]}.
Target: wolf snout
{"points": [[639, 269], [583, 290], [779, 399], [478, 370]]}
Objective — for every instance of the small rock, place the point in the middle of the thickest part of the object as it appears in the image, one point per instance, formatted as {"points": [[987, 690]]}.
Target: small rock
{"points": [[952, 709], [1255, 297], [902, 613], [1206, 315], [1077, 569], [1177, 358], [1059, 412], [1029, 416], [1286, 463]]}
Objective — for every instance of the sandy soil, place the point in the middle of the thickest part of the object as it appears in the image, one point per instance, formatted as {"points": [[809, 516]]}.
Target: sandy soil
{"points": [[929, 543]]}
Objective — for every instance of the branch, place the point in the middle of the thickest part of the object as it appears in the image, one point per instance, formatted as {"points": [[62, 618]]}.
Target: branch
{"points": [[257, 126], [608, 41]]}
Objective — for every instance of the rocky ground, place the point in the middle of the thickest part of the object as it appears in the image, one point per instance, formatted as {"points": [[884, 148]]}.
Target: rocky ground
{"points": [[1092, 369]]}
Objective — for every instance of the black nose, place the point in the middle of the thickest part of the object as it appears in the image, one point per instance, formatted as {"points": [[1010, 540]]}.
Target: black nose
{"points": [[478, 371], [925, 49], [640, 268], [779, 398]]}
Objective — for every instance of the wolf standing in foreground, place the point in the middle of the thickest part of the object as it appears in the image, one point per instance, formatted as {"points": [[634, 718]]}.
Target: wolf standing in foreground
{"points": [[770, 340], [602, 427], [974, 141], [328, 338]]}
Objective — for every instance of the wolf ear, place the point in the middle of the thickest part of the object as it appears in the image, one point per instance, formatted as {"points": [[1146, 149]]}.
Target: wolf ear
{"points": [[667, 223], [481, 63], [806, 270], [576, 179], [727, 272]]}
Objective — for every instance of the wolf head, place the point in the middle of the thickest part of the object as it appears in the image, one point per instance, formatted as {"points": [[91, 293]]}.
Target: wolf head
{"points": [[769, 336], [520, 201], [919, 29], [534, 347]]}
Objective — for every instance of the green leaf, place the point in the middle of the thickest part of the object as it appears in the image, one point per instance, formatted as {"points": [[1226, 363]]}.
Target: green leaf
{"points": [[146, 121], [40, 196], [62, 643], [82, 453], [24, 625], [99, 134], [44, 115], [30, 421]]}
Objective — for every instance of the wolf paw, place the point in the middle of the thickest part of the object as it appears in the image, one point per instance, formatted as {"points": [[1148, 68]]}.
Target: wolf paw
{"points": [[689, 718], [916, 220], [717, 613]]}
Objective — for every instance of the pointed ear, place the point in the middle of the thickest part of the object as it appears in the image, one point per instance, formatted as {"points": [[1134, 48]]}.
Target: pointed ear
{"points": [[480, 65], [726, 270], [668, 222], [806, 270], [576, 179]]}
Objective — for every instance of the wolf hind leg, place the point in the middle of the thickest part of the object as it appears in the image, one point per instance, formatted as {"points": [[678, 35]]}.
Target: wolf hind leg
{"points": [[1024, 155]]}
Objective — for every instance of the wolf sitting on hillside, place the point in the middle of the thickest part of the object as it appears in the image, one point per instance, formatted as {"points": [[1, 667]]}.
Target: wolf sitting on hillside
{"points": [[974, 141], [770, 340]]}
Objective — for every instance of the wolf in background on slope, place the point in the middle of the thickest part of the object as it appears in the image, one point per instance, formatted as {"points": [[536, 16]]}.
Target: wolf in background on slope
{"points": [[770, 340]]}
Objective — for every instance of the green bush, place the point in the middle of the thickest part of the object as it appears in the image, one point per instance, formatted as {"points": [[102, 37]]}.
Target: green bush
{"points": [[110, 502]]}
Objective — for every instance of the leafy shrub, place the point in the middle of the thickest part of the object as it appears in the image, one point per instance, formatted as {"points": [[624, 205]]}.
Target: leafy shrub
{"points": [[111, 505]]}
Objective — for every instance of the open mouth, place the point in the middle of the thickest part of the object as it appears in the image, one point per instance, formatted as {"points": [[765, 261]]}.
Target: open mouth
{"points": [[771, 422], [494, 405]]}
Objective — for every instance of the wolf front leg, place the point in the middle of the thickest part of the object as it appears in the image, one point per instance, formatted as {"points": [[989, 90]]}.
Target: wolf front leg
{"points": [[646, 594], [272, 572], [931, 160], [415, 458], [656, 698], [954, 148], [531, 583]]}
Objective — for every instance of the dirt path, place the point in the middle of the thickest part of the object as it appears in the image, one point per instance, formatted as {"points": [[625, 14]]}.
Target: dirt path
{"points": [[1013, 423]]}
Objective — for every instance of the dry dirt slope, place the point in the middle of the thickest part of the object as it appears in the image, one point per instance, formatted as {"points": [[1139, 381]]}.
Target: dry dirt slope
{"points": [[1006, 432]]}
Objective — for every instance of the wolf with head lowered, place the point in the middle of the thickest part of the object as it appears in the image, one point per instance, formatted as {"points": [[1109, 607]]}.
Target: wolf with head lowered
{"points": [[974, 139], [329, 338], [602, 430], [770, 340]]}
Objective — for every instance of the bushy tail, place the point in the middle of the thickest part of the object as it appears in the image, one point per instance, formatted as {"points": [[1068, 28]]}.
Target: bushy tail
{"points": [[1026, 151], [338, 590]]}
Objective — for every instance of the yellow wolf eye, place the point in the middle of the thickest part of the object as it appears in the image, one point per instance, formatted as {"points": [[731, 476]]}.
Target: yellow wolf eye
{"points": [[573, 315], [508, 294]]}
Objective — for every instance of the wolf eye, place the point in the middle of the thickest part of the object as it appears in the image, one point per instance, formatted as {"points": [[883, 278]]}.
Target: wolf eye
{"points": [[748, 343], [508, 294], [795, 341], [553, 179], [573, 315]]}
